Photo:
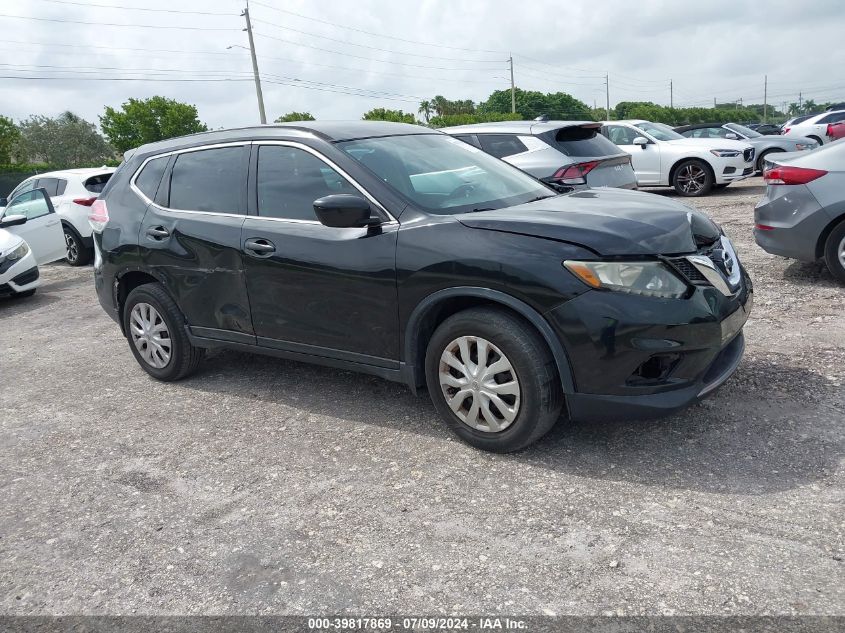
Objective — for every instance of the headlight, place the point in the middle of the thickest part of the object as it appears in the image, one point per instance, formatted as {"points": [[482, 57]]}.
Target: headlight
{"points": [[650, 279], [726, 153], [20, 251]]}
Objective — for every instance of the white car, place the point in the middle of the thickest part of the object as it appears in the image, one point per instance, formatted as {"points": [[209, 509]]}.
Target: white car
{"points": [[72, 192], [693, 166], [814, 127], [30, 234]]}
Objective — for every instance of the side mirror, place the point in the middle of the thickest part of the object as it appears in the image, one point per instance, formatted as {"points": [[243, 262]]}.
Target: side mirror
{"points": [[732, 136], [642, 141], [12, 220], [344, 210]]}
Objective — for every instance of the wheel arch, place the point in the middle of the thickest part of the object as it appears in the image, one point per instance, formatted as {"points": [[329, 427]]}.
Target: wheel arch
{"points": [[438, 306], [680, 161], [822, 241], [126, 282]]}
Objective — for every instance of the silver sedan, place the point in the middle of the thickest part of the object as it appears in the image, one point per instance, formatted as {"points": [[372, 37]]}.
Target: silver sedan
{"points": [[802, 215]]}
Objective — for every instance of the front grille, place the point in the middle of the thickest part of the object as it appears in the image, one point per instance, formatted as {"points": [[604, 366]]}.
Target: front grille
{"points": [[748, 154], [26, 277], [685, 267]]}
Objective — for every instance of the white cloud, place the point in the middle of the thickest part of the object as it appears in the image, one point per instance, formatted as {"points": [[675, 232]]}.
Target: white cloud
{"points": [[716, 49]]}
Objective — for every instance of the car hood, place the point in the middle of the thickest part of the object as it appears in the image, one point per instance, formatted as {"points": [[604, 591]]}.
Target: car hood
{"points": [[710, 143], [606, 221], [8, 241]]}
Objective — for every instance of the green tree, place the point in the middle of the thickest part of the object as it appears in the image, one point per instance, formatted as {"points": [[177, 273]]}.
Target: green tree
{"points": [[467, 119], [425, 109], [295, 116], [383, 114], [445, 107], [531, 104], [140, 121], [66, 141], [9, 135]]}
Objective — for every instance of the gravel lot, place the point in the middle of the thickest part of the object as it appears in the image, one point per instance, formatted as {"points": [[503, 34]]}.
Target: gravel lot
{"points": [[266, 486]]}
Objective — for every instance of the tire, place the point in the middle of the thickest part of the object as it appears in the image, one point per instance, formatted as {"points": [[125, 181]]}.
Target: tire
{"points": [[762, 158], [700, 180], [722, 186], [151, 351], [834, 252], [77, 253], [533, 406], [25, 293]]}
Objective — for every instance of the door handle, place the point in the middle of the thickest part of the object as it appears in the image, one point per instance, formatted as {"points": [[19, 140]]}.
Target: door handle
{"points": [[158, 232], [259, 247]]}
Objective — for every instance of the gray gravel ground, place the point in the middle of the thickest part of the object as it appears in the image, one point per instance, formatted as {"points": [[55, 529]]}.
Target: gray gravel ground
{"points": [[266, 486]]}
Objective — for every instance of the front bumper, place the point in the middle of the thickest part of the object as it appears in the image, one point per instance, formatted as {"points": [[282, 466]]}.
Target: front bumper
{"points": [[20, 276], [638, 357]]}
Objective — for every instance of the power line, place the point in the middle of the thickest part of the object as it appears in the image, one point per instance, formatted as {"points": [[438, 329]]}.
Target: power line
{"points": [[381, 35], [140, 26], [376, 48], [371, 59], [127, 8]]}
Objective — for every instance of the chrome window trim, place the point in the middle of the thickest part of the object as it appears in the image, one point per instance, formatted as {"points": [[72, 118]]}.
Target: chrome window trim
{"points": [[134, 187]]}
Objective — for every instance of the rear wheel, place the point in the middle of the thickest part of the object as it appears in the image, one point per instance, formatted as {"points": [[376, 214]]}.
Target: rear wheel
{"points": [[155, 329], [493, 380], [834, 252], [816, 139], [692, 178], [77, 253]]}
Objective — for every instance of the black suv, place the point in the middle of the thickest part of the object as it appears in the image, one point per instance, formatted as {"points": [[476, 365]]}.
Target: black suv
{"points": [[400, 251]]}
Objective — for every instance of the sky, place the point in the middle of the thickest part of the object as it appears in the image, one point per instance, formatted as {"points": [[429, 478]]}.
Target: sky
{"points": [[337, 59]]}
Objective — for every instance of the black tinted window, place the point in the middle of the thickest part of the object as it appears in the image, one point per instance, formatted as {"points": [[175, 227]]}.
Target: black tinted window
{"points": [[208, 180], [833, 118], [501, 145], [96, 184], [150, 177], [469, 138], [60, 191], [50, 185], [621, 135], [291, 179], [579, 141]]}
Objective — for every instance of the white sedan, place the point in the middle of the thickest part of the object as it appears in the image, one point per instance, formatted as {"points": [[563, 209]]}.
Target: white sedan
{"points": [[693, 166], [30, 234], [814, 127]]}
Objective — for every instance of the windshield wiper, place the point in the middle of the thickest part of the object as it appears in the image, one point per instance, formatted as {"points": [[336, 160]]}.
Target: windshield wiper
{"points": [[482, 209]]}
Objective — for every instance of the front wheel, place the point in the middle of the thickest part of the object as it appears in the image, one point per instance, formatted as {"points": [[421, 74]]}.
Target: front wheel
{"points": [[834, 252], [761, 161], [692, 178], [155, 329], [76, 252], [493, 380]]}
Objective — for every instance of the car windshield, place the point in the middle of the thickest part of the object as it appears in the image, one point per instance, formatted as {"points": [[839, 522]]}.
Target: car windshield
{"points": [[444, 175], [659, 131], [745, 131]]}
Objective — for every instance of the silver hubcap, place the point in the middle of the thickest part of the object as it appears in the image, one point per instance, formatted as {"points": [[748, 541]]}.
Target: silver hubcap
{"points": [[691, 178], [72, 249], [150, 335], [841, 252], [479, 384]]}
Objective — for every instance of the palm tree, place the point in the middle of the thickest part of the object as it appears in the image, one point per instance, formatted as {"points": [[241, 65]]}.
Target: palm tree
{"points": [[425, 109]]}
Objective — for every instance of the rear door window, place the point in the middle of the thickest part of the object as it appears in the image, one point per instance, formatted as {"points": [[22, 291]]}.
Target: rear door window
{"points": [[621, 135], [50, 185], [469, 138], [150, 177], [501, 145], [208, 180], [580, 142]]}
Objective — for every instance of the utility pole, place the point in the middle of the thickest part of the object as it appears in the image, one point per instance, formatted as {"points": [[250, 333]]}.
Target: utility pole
{"points": [[258, 93], [513, 90], [800, 107], [765, 97], [607, 93], [714, 102], [671, 95]]}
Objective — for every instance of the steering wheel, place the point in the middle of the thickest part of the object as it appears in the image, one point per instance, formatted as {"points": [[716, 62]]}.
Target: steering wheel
{"points": [[465, 189]]}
